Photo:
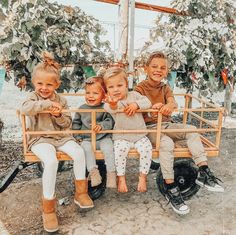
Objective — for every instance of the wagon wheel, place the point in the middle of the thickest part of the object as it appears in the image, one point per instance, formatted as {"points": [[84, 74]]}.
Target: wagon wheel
{"points": [[185, 176], [41, 167], [155, 165], [97, 191]]}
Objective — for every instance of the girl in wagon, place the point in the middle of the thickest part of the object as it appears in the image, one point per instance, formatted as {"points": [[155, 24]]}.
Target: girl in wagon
{"points": [[118, 97], [46, 79]]}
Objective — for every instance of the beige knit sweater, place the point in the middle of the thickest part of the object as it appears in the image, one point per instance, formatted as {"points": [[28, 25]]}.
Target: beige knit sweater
{"points": [[44, 121], [124, 122]]}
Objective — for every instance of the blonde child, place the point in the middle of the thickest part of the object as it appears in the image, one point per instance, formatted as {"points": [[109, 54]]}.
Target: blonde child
{"points": [[46, 79], [94, 95], [163, 100], [118, 97]]}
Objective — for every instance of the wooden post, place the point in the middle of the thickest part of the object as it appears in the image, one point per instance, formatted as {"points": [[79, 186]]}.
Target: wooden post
{"points": [[218, 133], [185, 115], [93, 135]]}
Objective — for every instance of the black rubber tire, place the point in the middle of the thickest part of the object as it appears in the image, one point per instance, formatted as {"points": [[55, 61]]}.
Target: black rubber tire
{"points": [[97, 191], [59, 169], [155, 165], [185, 176]]}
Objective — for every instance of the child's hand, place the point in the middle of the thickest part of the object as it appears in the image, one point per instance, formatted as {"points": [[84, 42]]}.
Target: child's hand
{"points": [[157, 106], [131, 109], [111, 101], [55, 109], [97, 128], [166, 110]]}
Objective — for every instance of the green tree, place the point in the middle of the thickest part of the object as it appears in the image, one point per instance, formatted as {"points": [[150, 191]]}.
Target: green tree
{"points": [[201, 43], [33, 26]]}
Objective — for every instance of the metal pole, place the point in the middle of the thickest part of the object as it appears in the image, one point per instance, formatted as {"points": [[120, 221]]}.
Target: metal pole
{"points": [[131, 42], [123, 29]]}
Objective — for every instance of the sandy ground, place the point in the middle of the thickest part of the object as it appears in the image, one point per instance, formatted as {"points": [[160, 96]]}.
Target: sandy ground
{"points": [[132, 213]]}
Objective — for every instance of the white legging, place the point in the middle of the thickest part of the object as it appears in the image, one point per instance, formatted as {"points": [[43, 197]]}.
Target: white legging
{"points": [[47, 154], [121, 149]]}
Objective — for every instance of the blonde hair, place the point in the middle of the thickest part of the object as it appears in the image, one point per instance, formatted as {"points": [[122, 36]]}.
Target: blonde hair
{"points": [[95, 80], [48, 65], [114, 71], [156, 54]]}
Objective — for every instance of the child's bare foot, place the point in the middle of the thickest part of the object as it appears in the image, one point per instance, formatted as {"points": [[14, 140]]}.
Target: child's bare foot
{"points": [[142, 183], [122, 186]]}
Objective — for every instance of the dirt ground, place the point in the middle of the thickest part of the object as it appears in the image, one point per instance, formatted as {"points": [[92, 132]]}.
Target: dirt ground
{"points": [[131, 213]]}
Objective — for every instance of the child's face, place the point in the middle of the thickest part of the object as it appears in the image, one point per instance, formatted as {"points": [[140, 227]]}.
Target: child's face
{"points": [[94, 94], [157, 69], [45, 84], [117, 87]]}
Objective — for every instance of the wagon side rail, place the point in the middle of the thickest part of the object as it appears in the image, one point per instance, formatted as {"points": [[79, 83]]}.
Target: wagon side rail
{"points": [[212, 148]]}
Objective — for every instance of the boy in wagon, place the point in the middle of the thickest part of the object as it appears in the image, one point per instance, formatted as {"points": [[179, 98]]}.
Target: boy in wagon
{"points": [[162, 99]]}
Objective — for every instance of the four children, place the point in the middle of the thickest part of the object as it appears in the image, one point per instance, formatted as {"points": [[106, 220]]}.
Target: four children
{"points": [[112, 90]]}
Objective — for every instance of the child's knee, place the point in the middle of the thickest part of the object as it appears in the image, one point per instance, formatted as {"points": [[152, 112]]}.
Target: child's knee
{"points": [[51, 163], [166, 144]]}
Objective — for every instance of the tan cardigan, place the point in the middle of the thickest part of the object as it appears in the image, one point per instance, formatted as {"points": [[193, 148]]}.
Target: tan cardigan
{"points": [[46, 122]]}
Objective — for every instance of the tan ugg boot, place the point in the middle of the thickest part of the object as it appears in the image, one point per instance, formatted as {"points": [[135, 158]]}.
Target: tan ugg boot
{"points": [[111, 179], [82, 198], [50, 222]]}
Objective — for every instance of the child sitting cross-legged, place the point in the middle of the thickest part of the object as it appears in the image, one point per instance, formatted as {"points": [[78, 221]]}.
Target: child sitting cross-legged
{"points": [[118, 98], [94, 95]]}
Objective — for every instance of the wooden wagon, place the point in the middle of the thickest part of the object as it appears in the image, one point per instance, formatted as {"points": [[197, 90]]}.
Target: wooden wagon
{"points": [[185, 169]]}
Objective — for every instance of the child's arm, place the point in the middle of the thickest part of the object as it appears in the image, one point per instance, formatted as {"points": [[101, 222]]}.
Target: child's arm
{"points": [[77, 124], [141, 102], [112, 102], [107, 122], [32, 106], [63, 120], [110, 105], [168, 108]]}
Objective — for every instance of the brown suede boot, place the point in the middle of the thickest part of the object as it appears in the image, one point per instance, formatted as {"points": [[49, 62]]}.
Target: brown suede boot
{"points": [[50, 222], [82, 198]]}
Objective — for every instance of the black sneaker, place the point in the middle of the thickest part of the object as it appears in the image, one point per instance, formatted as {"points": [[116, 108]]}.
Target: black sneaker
{"points": [[174, 197], [206, 178]]}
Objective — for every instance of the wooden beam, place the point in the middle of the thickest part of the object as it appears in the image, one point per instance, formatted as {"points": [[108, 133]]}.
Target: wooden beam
{"points": [[149, 7]]}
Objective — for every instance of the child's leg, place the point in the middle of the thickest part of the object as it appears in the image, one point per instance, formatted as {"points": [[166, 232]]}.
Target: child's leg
{"points": [[47, 154], [144, 148], [193, 142], [89, 155], [167, 158], [106, 145], [121, 149], [92, 168], [76, 152]]}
